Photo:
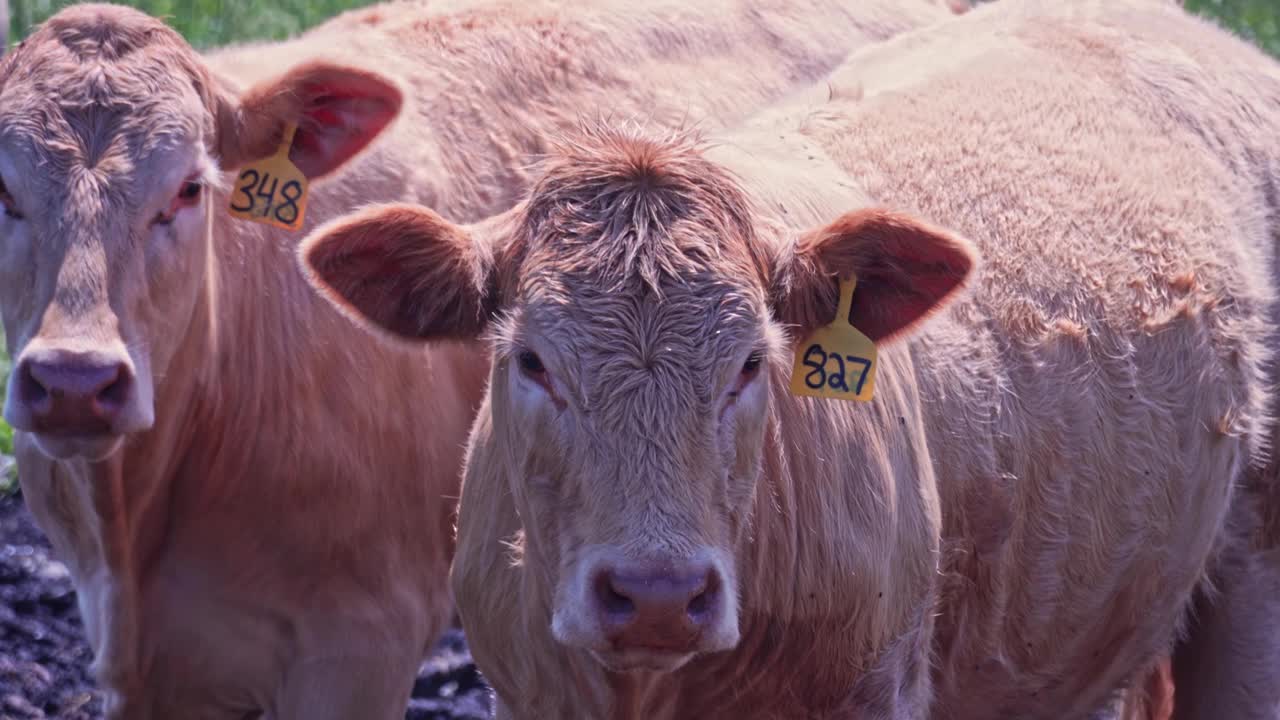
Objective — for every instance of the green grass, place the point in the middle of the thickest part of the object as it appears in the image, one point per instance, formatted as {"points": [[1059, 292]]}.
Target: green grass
{"points": [[205, 23], [7, 482], [1256, 20]]}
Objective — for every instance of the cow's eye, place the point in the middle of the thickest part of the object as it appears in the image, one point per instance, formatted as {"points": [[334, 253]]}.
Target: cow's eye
{"points": [[531, 363], [188, 196], [190, 191], [750, 368], [10, 207]]}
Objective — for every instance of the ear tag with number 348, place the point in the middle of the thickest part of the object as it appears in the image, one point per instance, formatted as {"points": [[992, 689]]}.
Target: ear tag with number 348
{"points": [[836, 361], [272, 190]]}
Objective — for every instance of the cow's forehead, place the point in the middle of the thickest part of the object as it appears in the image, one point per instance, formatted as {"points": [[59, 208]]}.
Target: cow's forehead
{"points": [[683, 334], [706, 306], [93, 160], [66, 151], [90, 135], [93, 85], [614, 207]]}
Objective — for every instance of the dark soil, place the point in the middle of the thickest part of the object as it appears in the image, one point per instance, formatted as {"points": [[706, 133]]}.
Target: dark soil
{"points": [[44, 659]]}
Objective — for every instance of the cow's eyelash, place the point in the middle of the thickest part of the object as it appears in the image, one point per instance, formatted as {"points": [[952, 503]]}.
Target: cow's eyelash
{"points": [[530, 362], [187, 196], [748, 372], [10, 207]]}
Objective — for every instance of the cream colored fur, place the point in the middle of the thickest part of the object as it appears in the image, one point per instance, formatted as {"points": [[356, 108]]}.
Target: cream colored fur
{"points": [[278, 540], [1054, 461]]}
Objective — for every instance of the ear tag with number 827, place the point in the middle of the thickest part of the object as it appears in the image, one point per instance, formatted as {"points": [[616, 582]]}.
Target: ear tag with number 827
{"points": [[836, 361], [272, 190]]}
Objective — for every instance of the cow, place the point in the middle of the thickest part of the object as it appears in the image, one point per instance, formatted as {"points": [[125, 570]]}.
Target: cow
{"points": [[1067, 284], [250, 529]]}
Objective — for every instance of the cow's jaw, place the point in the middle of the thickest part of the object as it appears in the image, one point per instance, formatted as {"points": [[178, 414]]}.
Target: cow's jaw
{"points": [[91, 448], [635, 660]]}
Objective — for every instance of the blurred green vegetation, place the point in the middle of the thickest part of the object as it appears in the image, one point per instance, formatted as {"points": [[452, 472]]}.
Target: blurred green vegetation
{"points": [[205, 23], [7, 479], [1256, 20]]}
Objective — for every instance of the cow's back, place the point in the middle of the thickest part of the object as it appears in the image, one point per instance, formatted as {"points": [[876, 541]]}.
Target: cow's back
{"points": [[488, 81], [1100, 392]]}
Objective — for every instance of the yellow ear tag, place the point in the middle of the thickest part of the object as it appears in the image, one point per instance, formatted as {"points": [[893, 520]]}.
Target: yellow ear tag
{"points": [[836, 361], [272, 191]]}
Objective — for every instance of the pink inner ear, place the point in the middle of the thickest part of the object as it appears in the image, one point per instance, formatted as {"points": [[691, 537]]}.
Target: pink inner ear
{"points": [[884, 306], [367, 275], [347, 261], [401, 268], [906, 272], [338, 121]]}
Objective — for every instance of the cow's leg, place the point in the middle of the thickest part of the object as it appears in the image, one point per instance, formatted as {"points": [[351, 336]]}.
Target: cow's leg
{"points": [[1229, 665], [500, 710], [347, 688], [162, 704], [1150, 698], [1158, 692], [900, 686]]}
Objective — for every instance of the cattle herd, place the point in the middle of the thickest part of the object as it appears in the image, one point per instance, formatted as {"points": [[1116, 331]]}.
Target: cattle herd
{"points": [[503, 312]]}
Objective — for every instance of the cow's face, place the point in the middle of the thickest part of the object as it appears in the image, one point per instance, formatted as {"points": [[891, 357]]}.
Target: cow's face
{"points": [[636, 319], [112, 134], [632, 388]]}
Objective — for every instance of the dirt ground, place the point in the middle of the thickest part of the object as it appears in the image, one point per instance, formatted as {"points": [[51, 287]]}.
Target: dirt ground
{"points": [[44, 659]]}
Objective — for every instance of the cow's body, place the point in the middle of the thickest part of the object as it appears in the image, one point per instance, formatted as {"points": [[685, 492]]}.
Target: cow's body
{"points": [[1094, 403], [1061, 446], [278, 540], [1126, 215], [1146, 124]]}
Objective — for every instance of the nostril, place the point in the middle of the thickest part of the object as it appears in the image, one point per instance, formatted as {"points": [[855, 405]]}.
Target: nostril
{"points": [[30, 389], [69, 392], [703, 605], [611, 600], [115, 393], [700, 605], [618, 604]]}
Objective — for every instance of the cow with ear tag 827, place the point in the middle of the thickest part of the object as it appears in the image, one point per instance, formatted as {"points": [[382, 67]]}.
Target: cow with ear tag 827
{"points": [[250, 526], [687, 542], [1014, 524]]}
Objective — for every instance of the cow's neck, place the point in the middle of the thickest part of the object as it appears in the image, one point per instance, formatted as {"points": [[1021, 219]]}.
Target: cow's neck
{"points": [[244, 353]]}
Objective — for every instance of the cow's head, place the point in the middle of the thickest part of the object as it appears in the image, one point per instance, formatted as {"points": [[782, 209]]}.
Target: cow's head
{"points": [[113, 134], [637, 312]]}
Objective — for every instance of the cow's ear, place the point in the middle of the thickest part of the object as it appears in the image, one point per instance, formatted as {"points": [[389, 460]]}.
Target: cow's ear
{"points": [[338, 111], [404, 270], [906, 270]]}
